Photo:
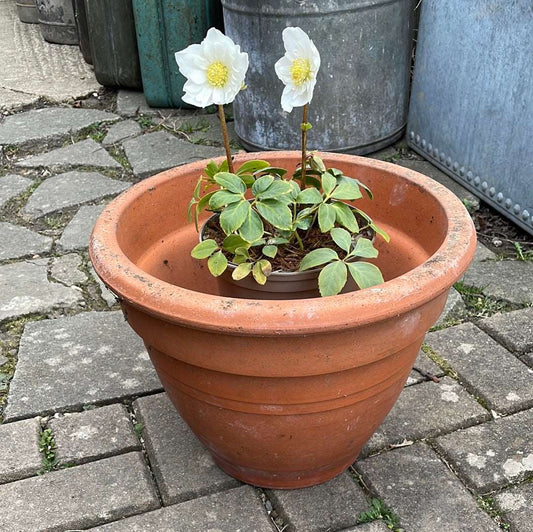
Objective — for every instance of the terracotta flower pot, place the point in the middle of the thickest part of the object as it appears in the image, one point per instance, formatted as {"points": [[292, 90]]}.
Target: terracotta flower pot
{"points": [[283, 393]]}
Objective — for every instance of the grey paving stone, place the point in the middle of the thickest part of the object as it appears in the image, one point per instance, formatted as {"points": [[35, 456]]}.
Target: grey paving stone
{"points": [[132, 103], [386, 154], [425, 365], [84, 153], [374, 526], [486, 368], [483, 253], [425, 410], [528, 359], [97, 433], [109, 297], [17, 241], [65, 269], [79, 497], [121, 131], [454, 308], [48, 123], [3, 360], [426, 168], [423, 492], [66, 363], [25, 288], [494, 454], [236, 510], [207, 129], [155, 152], [509, 280], [20, 456], [10, 99], [71, 189], [11, 186], [182, 466], [333, 505], [517, 505], [512, 329], [76, 234]]}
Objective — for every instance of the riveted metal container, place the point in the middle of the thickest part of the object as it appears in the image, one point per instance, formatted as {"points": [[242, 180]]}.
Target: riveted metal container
{"points": [[360, 100], [27, 11], [164, 27], [80, 15], [472, 99], [113, 43], [56, 20]]}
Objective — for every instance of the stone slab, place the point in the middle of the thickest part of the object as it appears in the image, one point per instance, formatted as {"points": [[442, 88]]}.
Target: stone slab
{"points": [[69, 190], [427, 409], [374, 526], [20, 456], [76, 234], [486, 368], [121, 131], [528, 359], [49, 123], [17, 241], [423, 492], [98, 433], [33, 68], [425, 365], [109, 297], [426, 168], [517, 505], [79, 497], [10, 99], [84, 153], [512, 329], [454, 308], [494, 454], [155, 152], [483, 253], [236, 510], [208, 131], [509, 280], [65, 269], [133, 103], [333, 505], [11, 186], [182, 466], [25, 289], [386, 154], [73, 361]]}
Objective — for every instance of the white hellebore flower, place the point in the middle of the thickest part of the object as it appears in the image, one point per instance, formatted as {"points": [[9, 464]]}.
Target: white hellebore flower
{"points": [[297, 68], [214, 69]]}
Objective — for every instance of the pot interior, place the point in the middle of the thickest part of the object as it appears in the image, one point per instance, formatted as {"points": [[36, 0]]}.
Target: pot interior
{"points": [[153, 231]]}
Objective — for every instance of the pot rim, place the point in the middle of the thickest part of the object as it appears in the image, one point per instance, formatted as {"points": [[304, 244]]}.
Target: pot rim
{"points": [[199, 310]]}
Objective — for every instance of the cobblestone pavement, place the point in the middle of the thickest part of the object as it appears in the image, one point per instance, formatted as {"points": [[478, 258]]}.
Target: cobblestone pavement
{"points": [[89, 439]]}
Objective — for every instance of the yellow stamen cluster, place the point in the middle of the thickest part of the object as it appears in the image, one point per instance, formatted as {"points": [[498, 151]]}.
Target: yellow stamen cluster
{"points": [[300, 71], [217, 74]]}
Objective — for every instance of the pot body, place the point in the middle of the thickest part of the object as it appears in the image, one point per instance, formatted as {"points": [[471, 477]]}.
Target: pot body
{"points": [[80, 15], [284, 394], [360, 99], [56, 20], [27, 11]]}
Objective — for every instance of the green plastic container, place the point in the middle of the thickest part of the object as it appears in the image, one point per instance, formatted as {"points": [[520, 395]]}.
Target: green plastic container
{"points": [[164, 27]]}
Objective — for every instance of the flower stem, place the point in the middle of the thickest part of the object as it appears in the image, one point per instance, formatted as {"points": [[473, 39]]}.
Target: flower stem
{"points": [[222, 117], [304, 143]]}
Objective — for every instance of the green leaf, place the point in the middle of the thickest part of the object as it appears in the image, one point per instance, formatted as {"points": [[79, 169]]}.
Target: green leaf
{"points": [[295, 189], [241, 271], [270, 251], [275, 212], [233, 216], [313, 181], [252, 229], [223, 166], [280, 172], [348, 190], [204, 249], [380, 232], [365, 274], [306, 126], [204, 201], [332, 279], [249, 167], [328, 183], [364, 248], [230, 182], [365, 188], [196, 192], [345, 217], [211, 169], [335, 172], [247, 179], [221, 198], [233, 242], [309, 196], [326, 217], [277, 189], [317, 257], [261, 184], [342, 238], [261, 270], [217, 263], [317, 163]]}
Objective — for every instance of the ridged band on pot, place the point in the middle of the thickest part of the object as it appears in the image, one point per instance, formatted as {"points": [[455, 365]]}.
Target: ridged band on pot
{"points": [[283, 393], [56, 20], [27, 11], [361, 96]]}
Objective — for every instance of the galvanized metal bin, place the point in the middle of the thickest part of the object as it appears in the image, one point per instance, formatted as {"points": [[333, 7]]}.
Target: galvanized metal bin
{"points": [[27, 11], [472, 99], [361, 97], [113, 43], [56, 21], [164, 27]]}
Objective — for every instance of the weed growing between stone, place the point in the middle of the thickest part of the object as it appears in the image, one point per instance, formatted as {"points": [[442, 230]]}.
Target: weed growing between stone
{"points": [[47, 447], [380, 511], [488, 505]]}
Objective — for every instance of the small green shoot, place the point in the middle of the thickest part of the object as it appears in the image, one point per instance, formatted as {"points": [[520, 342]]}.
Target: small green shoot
{"points": [[379, 510], [47, 447]]}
